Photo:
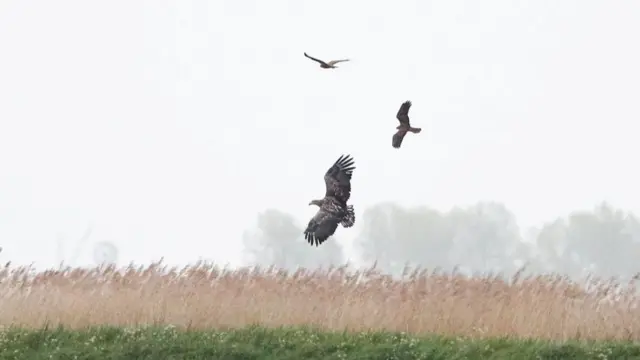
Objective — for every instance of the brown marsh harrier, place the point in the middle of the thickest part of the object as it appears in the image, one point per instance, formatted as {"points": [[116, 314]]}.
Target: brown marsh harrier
{"points": [[403, 117], [330, 65]]}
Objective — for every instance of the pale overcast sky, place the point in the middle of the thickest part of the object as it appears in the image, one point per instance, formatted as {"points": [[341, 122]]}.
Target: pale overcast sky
{"points": [[169, 125]]}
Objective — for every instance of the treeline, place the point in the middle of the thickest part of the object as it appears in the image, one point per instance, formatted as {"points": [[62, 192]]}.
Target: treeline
{"points": [[485, 237]]}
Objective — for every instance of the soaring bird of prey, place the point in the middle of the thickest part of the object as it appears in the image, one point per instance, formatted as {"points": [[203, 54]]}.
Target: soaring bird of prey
{"points": [[403, 117], [326, 65], [333, 208]]}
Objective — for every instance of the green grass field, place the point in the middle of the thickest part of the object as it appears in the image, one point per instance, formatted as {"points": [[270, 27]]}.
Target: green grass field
{"points": [[285, 343]]}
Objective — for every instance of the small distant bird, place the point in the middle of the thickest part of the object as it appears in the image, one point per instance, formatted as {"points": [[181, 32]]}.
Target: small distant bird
{"points": [[330, 65], [403, 117], [333, 207]]}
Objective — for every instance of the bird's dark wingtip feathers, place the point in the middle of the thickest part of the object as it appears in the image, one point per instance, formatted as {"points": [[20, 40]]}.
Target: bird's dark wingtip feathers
{"points": [[346, 164], [407, 104], [344, 160], [312, 239]]}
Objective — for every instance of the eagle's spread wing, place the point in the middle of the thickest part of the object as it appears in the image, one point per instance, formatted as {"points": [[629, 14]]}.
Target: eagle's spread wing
{"points": [[338, 179], [396, 141], [403, 113], [333, 62], [314, 59], [324, 223]]}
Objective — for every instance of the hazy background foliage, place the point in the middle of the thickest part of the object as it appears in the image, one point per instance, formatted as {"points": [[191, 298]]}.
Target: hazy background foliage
{"points": [[485, 237]]}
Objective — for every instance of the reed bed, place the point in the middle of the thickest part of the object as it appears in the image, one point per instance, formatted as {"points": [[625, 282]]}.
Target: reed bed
{"points": [[205, 296]]}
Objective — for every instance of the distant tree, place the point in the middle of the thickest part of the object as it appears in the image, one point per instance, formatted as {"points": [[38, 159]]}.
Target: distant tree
{"points": [[480, 238], [487, 238], [278, 240], [603, 242], [393, 236], [554, 253]]}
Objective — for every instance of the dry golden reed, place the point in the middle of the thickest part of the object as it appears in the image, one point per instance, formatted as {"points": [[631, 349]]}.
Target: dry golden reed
{"points": [[205, 296]]}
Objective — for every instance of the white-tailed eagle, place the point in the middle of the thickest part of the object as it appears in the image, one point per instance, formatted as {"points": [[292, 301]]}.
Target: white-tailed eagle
{"points": [[333, 208]]}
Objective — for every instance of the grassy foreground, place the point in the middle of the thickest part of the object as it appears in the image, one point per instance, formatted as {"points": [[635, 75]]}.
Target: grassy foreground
{"points": [[204, 296], [285, 343], [484, 317]]}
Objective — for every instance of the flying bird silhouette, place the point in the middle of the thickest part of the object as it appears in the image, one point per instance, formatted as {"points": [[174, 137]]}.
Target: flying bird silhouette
{"points": [[333, 208], [403, 117], [330, 65]]}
